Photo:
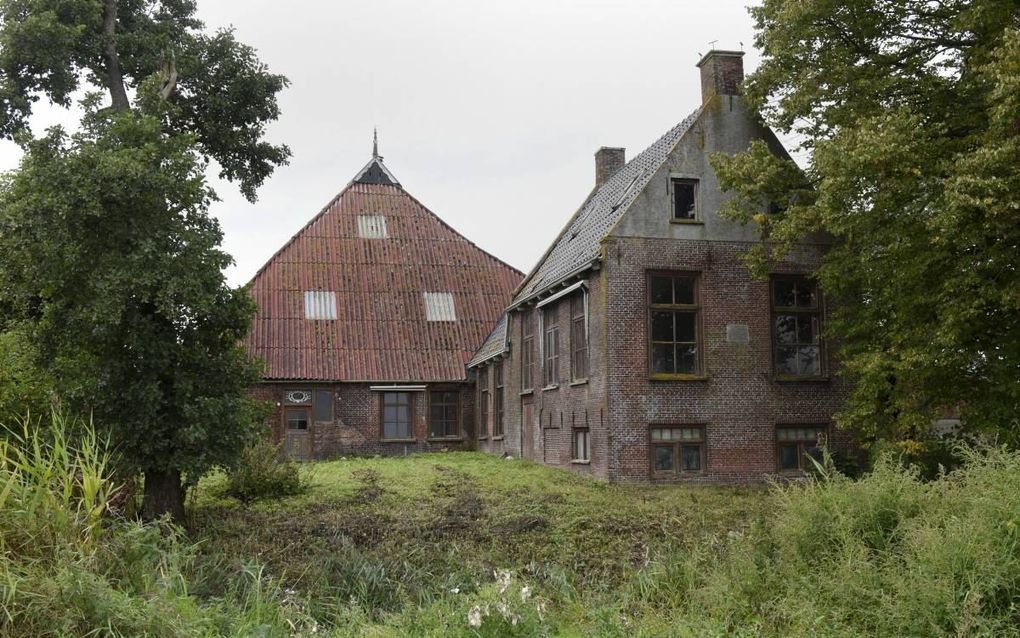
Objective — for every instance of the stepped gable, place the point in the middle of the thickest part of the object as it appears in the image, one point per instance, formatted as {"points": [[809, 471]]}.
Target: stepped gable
{"points": [[376, 288], [577, 245]]}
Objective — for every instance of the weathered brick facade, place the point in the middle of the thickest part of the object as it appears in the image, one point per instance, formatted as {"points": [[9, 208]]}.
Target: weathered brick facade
{"points": [[628, 231], [355, 428]]}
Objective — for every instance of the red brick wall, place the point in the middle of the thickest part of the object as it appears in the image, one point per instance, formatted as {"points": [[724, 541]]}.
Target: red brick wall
{"points": [[356, 429]]}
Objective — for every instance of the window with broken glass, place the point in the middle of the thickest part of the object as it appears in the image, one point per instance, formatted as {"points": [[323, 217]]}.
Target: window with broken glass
{"points": [[796, 327], [673, 313], [685, 199]]}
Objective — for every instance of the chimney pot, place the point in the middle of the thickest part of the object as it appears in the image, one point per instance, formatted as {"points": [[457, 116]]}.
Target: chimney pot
{"points": [[608, 160], [722, 73]]}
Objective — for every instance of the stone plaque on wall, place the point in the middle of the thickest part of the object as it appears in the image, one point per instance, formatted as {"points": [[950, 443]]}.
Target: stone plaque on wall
{"points": [[738, 333]]}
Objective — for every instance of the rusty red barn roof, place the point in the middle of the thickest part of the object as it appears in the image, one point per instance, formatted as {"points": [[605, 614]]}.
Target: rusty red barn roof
{"points": [[380, 332]]}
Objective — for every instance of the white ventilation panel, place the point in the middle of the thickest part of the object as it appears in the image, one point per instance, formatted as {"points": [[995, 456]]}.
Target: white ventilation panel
{"points": [[439, 307], [372, 227], [320, 304]]}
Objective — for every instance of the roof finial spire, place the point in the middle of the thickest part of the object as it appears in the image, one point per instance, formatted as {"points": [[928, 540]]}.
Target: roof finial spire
{"points": [[375, 142]]}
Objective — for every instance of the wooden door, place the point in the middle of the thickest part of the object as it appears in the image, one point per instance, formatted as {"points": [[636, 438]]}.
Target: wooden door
{"points": [[297, 442], [528, 427]]}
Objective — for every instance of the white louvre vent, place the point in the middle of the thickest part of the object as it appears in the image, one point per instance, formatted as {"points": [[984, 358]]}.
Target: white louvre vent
{"points": [[372, 227], [439, 307], [320, 304]]}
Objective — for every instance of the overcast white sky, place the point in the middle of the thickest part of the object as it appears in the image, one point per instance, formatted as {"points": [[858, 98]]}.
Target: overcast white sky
{"points": [[488, 112]]}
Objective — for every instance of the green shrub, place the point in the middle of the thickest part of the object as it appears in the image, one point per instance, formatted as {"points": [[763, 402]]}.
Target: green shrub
{"points": [[263, 472]]}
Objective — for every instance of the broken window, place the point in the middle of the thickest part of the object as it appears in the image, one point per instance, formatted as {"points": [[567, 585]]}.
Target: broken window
{"points": [[674, 330], [444, 414], [527, 350], [396, 415], [794, 443], [678, 449], [579, 336], [796, 327], [685, 199], [551, 347]]}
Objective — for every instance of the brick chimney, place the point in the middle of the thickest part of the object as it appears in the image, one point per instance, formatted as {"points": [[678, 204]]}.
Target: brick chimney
{"points": [[722, 73], [608, 160]]}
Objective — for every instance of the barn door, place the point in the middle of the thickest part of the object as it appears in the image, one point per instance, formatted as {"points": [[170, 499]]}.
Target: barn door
{"points": [[528, 427], [297, 442]]}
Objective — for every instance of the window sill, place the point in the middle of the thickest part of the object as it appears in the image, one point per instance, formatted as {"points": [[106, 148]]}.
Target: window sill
{"points": [[579, 382], [787, 378], [687, 222], [579, 462], [483, 438], [525, 393], [398, 440], [678, 377], [551, 387], [445, 439], [498, 438]]}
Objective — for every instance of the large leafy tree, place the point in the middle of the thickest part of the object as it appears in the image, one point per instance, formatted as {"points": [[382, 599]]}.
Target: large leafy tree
{"points": [[909, 113], [112, 263]]}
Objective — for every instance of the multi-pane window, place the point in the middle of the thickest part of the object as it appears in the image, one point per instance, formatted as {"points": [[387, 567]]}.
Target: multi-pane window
{"points": [[582, 445], [796, 327], [795, 442], [498, 399], [578, 337], [678, 449], [297, 419], [483, 403], [444, 414], [551, 347], [323, 406], [396, 415], [527, 350], [673, 317], [685, 199]]}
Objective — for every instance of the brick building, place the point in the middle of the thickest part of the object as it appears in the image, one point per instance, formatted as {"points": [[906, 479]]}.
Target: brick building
{"points": [[640, 348], [366, 319]]}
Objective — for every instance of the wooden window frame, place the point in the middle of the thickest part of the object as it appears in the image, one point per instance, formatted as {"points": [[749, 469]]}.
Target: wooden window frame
{"points": [[458, 416], [332, 405], [579, 361], [551, 356], [483, 403], [677, 445], [574, 456], [802, 444], [410, 417], [308, 412], [498, 399], [527, 351], [696, 184], [695, 308], [817, 310]]}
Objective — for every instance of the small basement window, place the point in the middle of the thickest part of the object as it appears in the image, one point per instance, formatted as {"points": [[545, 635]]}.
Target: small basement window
{"points": [[320, 304], [372, 227], [439, 306]]}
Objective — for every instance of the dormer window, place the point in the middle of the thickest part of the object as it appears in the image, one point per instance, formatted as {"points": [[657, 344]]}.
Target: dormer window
{"points": [[439, 307], [685, 199], [320, 304]]}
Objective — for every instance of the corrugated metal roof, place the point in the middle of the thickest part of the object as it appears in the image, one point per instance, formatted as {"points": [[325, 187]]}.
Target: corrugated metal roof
{"points": [[381, 331], [495, 344], [578, 243]]}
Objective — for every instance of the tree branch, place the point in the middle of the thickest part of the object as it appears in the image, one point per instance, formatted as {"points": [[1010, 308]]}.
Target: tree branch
{"points": [[114, 76], [169, 73]]}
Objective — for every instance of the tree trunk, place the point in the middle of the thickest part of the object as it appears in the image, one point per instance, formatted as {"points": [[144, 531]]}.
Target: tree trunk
{"points": [[114, 76], [163, 494]]}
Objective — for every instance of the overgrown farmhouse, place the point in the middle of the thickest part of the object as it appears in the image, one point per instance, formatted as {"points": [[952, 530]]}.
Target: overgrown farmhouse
{"points": [[366, 319], [640, 348]]}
